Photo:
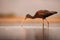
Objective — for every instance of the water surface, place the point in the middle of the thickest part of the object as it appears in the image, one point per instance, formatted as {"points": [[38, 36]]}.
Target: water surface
{"points": [[14, 31]]}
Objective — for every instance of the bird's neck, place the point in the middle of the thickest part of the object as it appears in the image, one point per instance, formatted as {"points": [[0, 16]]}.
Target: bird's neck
{"points": [[32, 17]]}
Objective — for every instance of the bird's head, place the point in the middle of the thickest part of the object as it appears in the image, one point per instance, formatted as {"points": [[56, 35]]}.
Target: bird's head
{"points": [[28, 16]]}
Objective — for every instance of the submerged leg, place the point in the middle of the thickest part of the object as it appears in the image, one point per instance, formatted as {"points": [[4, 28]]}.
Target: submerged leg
{"points": [[47, 29]]}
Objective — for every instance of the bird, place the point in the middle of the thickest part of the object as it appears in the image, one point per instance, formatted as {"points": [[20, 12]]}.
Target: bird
{"points": [[43, 14]]}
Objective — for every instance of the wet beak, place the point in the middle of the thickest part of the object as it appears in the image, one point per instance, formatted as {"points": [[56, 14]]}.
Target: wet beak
{"points": [[23, 21]]}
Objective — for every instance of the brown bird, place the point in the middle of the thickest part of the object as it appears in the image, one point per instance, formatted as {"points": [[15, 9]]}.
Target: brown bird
{"points": [[41, 14]]}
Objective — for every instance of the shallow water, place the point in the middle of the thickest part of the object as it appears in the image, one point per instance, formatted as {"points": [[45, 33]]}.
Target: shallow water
{"points": [[14, 31]]}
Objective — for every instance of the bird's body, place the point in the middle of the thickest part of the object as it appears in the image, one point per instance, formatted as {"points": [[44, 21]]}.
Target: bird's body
{"points": [[43, 14]]}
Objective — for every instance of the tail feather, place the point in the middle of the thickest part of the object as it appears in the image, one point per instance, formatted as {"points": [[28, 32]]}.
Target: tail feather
{"points": [[49, 14]]}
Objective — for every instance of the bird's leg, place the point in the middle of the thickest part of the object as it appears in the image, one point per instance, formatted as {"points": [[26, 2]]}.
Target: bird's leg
{"points": [[48, 28], [43, 29], [47, 23]]}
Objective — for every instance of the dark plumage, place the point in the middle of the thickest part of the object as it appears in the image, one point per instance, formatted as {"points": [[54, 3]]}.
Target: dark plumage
{"points": [[41, 14]]}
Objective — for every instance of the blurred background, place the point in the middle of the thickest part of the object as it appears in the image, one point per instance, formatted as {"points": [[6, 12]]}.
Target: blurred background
{"points": [[12, 14]]}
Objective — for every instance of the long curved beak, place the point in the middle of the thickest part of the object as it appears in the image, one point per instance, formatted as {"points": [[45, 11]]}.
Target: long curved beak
{"points": [[23, 21]]}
